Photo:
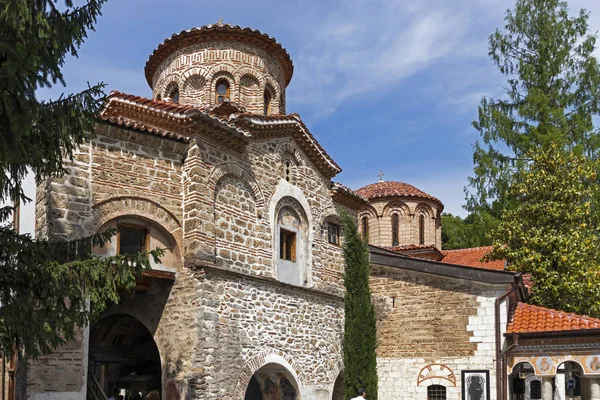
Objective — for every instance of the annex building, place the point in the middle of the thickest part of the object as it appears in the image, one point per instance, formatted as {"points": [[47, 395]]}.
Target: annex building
{"points": [[248, 302]]}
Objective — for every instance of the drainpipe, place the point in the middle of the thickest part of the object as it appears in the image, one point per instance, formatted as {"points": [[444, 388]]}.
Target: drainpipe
{"points": [[500, 386]]}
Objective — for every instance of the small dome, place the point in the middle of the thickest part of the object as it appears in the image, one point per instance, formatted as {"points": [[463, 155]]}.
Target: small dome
{"points": [[394, 189]]}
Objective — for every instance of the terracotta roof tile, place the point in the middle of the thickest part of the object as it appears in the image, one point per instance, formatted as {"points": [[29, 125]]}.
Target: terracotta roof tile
{"points": [[213, 32], [472, 257], [394, 189], [531, 319]]}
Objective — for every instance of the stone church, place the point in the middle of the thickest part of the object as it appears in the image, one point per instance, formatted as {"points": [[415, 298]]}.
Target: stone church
{"points": [[248, 303]]}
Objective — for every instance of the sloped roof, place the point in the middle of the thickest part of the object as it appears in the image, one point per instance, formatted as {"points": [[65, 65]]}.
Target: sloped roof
{"points": [[473, 258], [425, 251], [394, 189], [346, 196], [527, 318], [176, 121], [219, 32]]}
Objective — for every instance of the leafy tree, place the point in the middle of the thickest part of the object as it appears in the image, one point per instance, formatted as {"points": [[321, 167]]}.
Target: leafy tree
{"points": [[473, 231], [45, 287], [554, 231], [360, 362], [553, 89]]}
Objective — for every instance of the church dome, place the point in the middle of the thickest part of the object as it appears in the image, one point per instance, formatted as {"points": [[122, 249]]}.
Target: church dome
{"points": [[221, 63], [394, 189]]}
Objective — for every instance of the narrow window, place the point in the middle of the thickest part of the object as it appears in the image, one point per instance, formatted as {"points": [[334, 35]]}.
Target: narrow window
{"points": [[132, 239], [333, 234], [421, 229], [436, 392], [365, 228], [536, 390], [395, 229], [159, 98], [288, 171], [287, 245], [175, 96], [222, 91], [267, 103]]}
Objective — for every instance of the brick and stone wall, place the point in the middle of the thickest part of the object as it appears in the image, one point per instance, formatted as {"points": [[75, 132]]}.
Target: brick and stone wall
{"points": [[195, 70], [431, 321], [380, 212], [214, 206]]}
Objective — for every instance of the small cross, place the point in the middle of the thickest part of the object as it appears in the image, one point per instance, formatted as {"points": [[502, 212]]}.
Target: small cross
{"points": [[381, 175], [220, 21]]}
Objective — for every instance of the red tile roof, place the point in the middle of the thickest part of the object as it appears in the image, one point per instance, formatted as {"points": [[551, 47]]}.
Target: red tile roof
{"points": [[473, 258], [527, 318], [394, 189], [219, 32], [172, 120]]}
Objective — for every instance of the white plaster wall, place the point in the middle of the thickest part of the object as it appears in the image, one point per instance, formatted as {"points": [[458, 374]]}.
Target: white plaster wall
{"points": [[398, 376]]}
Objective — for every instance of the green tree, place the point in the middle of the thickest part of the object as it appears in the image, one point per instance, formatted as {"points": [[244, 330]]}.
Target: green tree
{"points": [[554, 231], [553, 89], [473, 231], [360, 341], [45, 287]]}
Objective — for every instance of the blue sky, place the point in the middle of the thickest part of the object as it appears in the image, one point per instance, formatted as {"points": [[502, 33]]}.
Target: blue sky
{"points": [[383, 84]]}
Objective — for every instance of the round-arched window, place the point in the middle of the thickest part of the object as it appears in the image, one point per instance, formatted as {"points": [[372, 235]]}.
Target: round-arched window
{"points": [[267, 103], [395, 226], [222, 91], [421, 229]]}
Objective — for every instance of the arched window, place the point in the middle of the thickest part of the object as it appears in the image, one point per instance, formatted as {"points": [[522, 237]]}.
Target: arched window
{"points": [[365, 228], [436, 392], [421, 229], [267, 103], [288, 171], [535, 390], [222, 91], [172, 93], [175, 96], [395, 226], [159, 98]]}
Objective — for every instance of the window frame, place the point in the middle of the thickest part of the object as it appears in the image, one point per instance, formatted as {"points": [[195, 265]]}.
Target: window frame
{"points": [[287, 245], [227, 90], [133, 226], [395, 229], [421, 229], [330, 227], [364, 223], [267, 99], [539, 390], [440, 394]]}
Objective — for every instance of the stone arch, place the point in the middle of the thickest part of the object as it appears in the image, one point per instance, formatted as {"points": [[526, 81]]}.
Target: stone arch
{"points": [[250, 95], [193, 85], [274, 96], [512, 370], [223, 169], [287, 148], [115, 207], [240, 72], [424, 208], [396, 205], [170, 88], [223, 71], [266, 356]]}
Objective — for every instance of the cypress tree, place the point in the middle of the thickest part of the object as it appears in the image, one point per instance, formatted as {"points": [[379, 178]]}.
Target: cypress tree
{"points": [[360, 362]]}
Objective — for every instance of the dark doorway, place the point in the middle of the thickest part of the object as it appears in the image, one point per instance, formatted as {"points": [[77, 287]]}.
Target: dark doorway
{"points": [[123, 356], [253, 392]]}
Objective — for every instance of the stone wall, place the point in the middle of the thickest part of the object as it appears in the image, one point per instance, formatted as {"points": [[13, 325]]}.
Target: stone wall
{"points": [[426, 322], [245, 319]]}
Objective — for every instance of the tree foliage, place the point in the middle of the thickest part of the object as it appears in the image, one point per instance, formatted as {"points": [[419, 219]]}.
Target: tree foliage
{"points": [[553, 92], [472, 231], [360, 362], [47, 290], [554, 231]]}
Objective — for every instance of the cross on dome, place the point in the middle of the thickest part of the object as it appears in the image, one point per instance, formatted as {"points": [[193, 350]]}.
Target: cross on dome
{"points": [[381, 175]]}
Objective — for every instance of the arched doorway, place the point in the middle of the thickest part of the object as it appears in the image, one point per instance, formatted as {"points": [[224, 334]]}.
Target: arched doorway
{"points": [[569, 380], [523, 383], [122, 355], [272, 382], [338, 388]]}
